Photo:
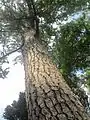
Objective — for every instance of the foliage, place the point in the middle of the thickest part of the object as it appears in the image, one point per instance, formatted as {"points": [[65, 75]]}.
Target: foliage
{"points": [[17, 110], [86, 78], [72, 48]]}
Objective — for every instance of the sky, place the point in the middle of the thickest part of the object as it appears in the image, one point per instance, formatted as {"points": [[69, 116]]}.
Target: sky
{"points": [[12, 85]]}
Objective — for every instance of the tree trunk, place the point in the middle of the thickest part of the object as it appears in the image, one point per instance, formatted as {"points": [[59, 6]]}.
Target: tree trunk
{"points": [[47, 94]]}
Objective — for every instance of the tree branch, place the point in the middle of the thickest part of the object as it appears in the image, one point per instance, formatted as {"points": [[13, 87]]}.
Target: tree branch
{"points": [[3, 31], [36, 19], [34, 9], [29, 6], [7, 54]]}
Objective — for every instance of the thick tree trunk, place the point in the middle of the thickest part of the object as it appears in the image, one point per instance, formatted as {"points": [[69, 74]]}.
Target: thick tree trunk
{"points": [[48, 96]]}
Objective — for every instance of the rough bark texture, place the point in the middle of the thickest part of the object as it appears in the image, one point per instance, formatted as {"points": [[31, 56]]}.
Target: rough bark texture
{"points": [[48, 96]]}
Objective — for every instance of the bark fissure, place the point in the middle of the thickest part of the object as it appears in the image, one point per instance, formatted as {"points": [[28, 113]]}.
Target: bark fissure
{"points": [[66, 102], [47, 94]]}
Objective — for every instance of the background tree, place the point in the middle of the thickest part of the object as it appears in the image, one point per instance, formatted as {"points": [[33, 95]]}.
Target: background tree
{"points": [[19, 28], [71, 52], [17, 110], [72, 47]]}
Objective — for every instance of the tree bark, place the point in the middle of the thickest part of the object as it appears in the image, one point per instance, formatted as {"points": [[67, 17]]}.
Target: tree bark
{"points": [[48, 96]]}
